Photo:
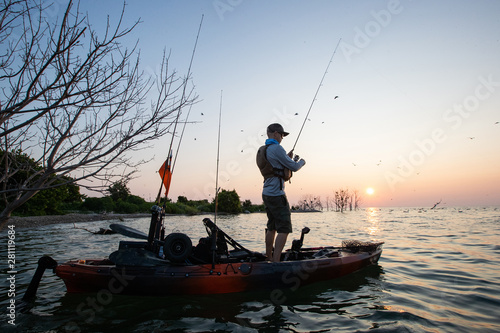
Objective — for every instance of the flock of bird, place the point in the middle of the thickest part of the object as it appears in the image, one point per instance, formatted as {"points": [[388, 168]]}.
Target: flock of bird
{"points": [[380, 161]]}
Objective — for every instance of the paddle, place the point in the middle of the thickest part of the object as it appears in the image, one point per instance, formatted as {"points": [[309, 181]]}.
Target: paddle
{"points": [[128, 231]]}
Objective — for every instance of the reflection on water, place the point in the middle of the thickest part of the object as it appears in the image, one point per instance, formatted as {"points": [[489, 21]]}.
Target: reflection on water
{"points": [[310, 308], [373, 220], [438, 272]]}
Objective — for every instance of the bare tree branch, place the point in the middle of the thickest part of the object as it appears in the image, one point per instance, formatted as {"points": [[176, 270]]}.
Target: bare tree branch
{"points": [[76, 102]]}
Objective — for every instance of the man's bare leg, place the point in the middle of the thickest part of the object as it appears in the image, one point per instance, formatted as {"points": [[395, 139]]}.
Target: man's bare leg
{"points": [[279, 245], [269, 244]]}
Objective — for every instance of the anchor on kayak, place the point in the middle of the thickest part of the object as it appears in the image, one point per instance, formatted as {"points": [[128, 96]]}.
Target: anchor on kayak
{"points": [[43, 263]]}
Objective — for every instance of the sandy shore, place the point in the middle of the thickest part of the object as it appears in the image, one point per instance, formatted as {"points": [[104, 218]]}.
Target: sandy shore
{"points": [[37, 221]]}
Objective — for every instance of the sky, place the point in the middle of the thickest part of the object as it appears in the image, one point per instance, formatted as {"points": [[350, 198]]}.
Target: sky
{"points": [[418, 85]]}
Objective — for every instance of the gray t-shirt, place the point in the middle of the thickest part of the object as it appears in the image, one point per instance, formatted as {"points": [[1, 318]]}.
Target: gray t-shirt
{"points": [[277, 156]]}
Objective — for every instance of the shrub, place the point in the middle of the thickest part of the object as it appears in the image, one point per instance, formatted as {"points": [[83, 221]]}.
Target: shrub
{"points": [[124, 207], [229, 202], [98, 205]]}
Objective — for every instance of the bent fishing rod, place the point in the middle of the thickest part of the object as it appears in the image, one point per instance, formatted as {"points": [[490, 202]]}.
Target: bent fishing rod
{"points": [[177, 118], [316, 94]]}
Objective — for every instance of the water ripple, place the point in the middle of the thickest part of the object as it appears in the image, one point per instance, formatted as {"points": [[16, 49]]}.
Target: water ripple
{"points": [[438, 273]]}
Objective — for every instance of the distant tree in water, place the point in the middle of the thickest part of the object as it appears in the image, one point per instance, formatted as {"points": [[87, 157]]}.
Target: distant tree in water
{"points": [[341, 199], [357, 199], [309, 202], [76, 102], [344, 199]]}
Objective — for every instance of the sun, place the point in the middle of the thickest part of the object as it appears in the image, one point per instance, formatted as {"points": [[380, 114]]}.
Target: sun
{"points": [[370, 191]]}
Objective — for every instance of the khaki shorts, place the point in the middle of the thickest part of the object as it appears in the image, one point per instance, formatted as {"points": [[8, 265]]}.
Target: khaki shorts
{"points": [[278, 214]]}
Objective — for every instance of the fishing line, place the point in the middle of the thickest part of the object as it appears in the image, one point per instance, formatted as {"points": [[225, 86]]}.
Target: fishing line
{"points": [[179, 112], [316, 94]]}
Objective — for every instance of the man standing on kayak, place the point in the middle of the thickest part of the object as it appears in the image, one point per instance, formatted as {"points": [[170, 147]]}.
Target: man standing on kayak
{"points": [[276, 166]]}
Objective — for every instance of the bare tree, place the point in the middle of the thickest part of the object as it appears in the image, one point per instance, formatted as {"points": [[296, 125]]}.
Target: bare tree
{"points": [[309, 202], [358, 199], [341, 199], [75, 102], [317, 203]]}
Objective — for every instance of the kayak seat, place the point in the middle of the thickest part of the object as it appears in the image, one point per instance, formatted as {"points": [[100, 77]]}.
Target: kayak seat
{"points": [[201, 252]]}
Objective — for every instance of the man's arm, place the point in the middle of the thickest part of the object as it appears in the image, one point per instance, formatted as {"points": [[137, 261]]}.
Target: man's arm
{"points": [[286, 161]]}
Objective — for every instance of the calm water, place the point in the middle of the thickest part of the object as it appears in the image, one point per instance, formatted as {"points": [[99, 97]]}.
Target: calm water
{"points": [[439, 272]]}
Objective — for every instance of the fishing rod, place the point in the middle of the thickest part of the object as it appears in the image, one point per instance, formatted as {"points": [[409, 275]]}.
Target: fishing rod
{"points": [[180, 139], [217, 169], [316, 94], [213, 245], [178, 115]]}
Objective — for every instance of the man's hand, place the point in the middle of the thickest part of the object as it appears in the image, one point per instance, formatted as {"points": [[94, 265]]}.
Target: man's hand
{"points": [[295, 158]]}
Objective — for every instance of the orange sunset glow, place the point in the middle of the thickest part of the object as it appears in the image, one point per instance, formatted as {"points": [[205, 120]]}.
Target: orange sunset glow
{"points": [[410, 110]]}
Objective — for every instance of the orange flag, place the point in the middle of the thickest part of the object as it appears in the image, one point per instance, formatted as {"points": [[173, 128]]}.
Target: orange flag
{"points": [[166, 174]]}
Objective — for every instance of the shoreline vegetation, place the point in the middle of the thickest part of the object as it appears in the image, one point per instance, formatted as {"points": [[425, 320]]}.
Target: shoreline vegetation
{"points": [[22, 222], [120, 207]]}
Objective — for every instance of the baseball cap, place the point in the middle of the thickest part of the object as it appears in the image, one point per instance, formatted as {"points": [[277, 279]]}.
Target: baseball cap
{"points": [[276, 128]]}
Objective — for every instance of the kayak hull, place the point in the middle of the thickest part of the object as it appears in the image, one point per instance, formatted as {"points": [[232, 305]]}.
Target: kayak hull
{"points": [[102, 275]]}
